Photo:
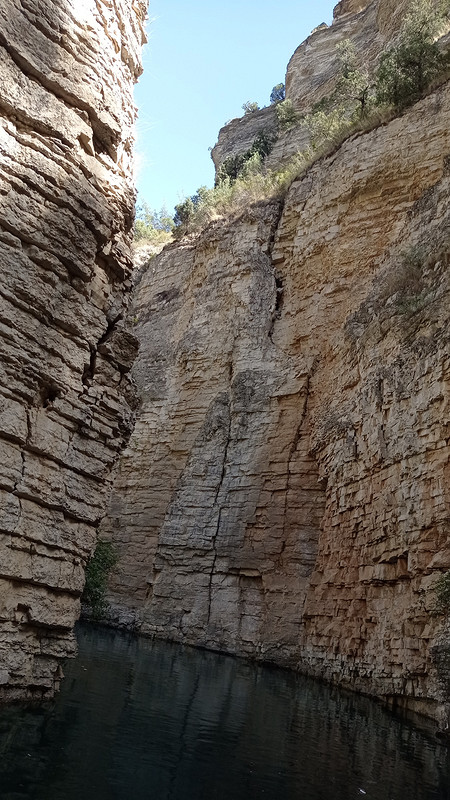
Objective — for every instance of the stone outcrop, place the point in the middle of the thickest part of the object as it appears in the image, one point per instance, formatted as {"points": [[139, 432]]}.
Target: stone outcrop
{"points": [[237, 136], [312, 73], [66, 121], [349, 7], [285, 493]]}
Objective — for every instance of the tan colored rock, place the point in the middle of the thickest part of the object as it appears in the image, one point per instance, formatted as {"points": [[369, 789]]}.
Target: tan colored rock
{"points": [[349, 7], [66, 132], [285, 492]]}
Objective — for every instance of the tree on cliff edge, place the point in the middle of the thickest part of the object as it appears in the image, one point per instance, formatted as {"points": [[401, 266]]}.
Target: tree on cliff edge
{"points": [[408, 68]]}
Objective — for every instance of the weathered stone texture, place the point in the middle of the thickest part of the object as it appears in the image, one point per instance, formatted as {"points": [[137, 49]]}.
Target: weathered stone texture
{"points": [[380, 417], [349, 7], [285, 493], [66, 118]]}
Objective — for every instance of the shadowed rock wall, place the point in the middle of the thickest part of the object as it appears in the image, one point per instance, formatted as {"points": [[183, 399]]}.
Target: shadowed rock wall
{"points": [[66, 117]]}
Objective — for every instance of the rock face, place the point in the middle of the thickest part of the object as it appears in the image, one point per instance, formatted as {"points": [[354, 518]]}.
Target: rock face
{"points": [[66, 118], [285, 493]]}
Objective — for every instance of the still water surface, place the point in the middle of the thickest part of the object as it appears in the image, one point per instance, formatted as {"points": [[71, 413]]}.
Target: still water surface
{"points": [[142, 720]]}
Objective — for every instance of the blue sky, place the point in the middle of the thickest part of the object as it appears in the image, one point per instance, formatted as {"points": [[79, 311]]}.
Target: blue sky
{"points": [[202, 62]]}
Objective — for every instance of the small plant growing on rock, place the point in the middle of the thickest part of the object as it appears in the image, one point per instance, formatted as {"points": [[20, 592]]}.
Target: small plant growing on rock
{"points": [[234, 166], [152, 226], [353, 88], [278, 93], [98, 568], [249, 107], [287, 116], [442, 589], [407, 69], [325, 127], [408, 282]]}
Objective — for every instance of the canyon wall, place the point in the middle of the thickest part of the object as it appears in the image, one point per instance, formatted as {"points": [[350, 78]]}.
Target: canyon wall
{"points": [[285, 493], [66, 135]]}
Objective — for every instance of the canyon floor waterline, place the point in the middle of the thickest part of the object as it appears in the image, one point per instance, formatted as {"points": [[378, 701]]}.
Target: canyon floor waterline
{"points": [[149, 720]]}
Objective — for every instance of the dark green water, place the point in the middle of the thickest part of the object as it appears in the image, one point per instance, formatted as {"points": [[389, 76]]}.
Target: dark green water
{"points": [[141, 720]]}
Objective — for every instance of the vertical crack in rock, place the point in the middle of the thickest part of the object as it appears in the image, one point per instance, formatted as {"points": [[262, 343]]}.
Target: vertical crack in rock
{"points": [[292, 451], [278, 278], [89, 370], [216, 500]]}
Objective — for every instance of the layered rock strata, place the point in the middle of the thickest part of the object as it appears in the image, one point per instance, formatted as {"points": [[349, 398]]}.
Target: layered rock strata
{"points": [[285, 494], [66, 120]]}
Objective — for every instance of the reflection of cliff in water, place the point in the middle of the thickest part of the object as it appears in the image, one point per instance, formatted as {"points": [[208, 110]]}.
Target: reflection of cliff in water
{"points": [[139, 719]]}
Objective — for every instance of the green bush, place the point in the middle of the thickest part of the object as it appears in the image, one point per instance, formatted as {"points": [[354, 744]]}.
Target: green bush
{"points": [[324, 128], [287, 116], [233, 166], [253, 184], [353, 89], [249, 107], [188, 209], [98, 568], [407, 69], [278, 93], [152, 226]]}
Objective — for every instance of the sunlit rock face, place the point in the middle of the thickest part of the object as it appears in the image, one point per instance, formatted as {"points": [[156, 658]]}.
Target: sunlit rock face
{"points": [[66, 119], [285, 493]]}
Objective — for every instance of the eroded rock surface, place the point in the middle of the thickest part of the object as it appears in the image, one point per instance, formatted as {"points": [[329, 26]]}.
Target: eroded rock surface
{"points": [[285, 493], [66, 117]]}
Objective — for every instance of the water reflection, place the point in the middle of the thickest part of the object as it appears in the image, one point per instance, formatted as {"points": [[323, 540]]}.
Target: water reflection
{"points": [[140, 720]]}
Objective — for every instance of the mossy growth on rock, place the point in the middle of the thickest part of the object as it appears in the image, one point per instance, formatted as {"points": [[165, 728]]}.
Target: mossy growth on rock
{"points": [[442, 589], [103, 560]]}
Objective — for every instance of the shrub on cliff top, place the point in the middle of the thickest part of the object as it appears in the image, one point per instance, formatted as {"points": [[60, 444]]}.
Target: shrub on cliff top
{"points": [[353, 89], [254, 183], [287, 116], [250, 106], [152, 226], [233, 166], [278, 93], [407, 69]]}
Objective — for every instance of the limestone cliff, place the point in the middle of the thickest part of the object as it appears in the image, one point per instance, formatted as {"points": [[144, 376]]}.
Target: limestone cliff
{"points": [[285, 494], [66, 118]]}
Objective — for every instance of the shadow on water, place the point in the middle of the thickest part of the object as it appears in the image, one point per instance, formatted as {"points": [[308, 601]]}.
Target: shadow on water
{"points": [[149, 720]]}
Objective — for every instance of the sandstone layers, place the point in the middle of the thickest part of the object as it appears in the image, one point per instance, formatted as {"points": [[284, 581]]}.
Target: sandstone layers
{"points": [[66, 110], [285, 494]]}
